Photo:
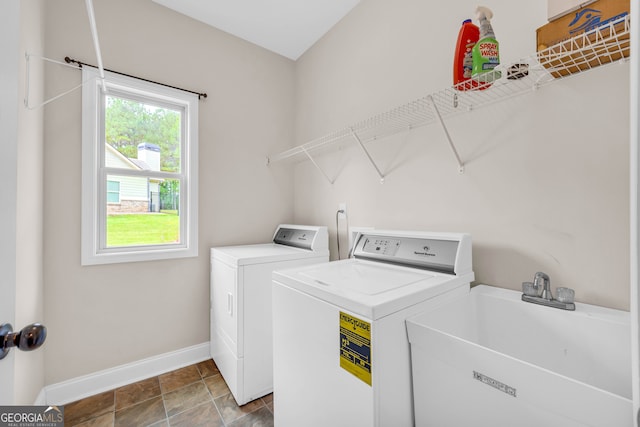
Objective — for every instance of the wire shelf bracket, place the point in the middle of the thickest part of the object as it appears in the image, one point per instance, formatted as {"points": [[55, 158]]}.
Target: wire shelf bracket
{"points": [[306, 152], [366, 152], [446, 133], [96, 45], [27, 91], [96, 42]]}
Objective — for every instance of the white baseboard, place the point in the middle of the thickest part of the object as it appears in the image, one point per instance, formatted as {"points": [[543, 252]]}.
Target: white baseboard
{"points": [[109, 379], [41, 399]]}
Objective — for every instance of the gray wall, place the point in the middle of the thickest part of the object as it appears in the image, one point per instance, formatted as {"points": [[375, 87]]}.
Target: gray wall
{"points": [[104, 316], [546, 186]]}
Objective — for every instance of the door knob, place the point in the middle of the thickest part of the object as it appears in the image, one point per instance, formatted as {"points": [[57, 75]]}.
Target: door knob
{"points": [[29, 338]]}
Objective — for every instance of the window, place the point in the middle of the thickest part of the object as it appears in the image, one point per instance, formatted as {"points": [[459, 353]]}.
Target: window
{"points": [[139, 170], [113, 192]]}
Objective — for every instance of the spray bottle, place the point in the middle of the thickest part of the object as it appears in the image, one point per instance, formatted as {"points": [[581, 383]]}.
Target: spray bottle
{"points": [[486, 55]]}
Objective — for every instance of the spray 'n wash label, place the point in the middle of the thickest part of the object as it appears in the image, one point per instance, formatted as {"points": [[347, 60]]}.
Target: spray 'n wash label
{"points": [[486, 53]]}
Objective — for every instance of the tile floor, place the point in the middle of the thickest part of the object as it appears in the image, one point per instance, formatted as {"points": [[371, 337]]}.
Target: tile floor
{"points": [[192, 397]]}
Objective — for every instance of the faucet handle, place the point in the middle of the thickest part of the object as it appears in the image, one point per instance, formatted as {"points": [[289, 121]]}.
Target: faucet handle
{"points": [[565, 295]]}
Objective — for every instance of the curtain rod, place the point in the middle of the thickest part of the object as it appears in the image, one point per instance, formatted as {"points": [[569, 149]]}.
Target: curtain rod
{"points": [[80, 64]]}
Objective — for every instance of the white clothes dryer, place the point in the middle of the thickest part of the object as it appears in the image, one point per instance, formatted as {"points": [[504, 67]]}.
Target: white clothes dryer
{"points": [[241, 332], [341, 353]]}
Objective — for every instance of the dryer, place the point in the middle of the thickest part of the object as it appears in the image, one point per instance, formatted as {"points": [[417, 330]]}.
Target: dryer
{"points": [[241, 318], [341, 353]]}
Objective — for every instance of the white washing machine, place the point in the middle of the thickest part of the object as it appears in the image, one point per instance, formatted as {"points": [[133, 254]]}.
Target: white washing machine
{"points": [[241, 332], [341, 353]]}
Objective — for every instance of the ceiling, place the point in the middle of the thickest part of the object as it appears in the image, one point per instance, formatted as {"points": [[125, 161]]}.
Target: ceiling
{"points": [[287, 27]]}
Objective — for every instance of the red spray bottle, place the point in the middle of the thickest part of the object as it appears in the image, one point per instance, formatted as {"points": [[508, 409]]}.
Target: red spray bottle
{"points": [[463, 61]]}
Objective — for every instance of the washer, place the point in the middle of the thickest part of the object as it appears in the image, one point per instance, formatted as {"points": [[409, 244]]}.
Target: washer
{"points": [[241, 332], [341, 353]]}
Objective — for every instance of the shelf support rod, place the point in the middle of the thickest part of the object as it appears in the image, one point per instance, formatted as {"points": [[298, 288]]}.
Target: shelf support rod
{"points": [[359, 141], [317, 166], [446, 132], [96, 42]]}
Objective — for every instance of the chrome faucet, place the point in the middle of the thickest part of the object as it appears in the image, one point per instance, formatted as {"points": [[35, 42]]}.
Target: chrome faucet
{"points": [[539, 292], [545, 288]]}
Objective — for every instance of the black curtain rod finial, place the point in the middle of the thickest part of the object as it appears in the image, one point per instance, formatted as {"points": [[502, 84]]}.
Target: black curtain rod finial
{"points": [[69, 61]]}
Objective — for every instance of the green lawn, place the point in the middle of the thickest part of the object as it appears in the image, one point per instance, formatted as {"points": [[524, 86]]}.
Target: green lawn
{"points": [[143, 229]]}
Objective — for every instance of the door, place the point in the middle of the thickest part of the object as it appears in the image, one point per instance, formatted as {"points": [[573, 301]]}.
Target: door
{"points": [[9, 104]]}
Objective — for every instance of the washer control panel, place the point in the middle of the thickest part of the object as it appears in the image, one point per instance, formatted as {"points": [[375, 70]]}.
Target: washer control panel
{"points": [[426, 252], [384, 246], [303, 237]]}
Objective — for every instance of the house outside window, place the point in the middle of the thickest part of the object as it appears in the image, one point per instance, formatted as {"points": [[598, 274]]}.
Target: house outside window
{"points": [[139, 170], [113, 192], [137, 191]]}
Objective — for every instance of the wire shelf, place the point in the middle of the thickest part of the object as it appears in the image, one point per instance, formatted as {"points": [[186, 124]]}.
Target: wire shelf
{"points": [[607, 44]]}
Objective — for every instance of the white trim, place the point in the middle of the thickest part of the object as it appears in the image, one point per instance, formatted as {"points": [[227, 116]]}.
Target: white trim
{"points": [[109, 379], [634, 155], [41, 399]]}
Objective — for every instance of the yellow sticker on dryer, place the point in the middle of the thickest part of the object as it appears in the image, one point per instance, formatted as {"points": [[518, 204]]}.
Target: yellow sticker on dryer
{"points": [[355, 346]]}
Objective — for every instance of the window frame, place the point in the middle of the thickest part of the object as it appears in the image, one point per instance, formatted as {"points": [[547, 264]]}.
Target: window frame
{"points": [[94, 172]]}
